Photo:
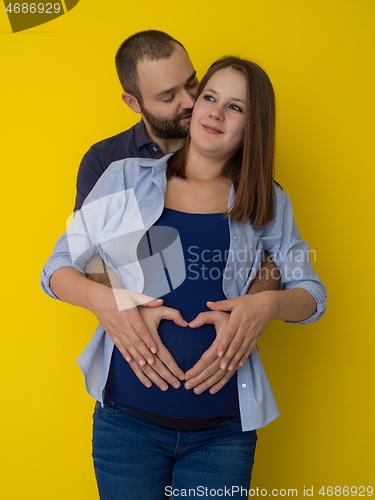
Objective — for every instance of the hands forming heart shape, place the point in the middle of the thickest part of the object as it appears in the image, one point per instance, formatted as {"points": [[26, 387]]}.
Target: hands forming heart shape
{"points": [[134, 330]]}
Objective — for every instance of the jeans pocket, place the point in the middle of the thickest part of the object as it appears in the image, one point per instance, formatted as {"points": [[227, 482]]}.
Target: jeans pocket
{"points": [[110, 408], [233, 422]]}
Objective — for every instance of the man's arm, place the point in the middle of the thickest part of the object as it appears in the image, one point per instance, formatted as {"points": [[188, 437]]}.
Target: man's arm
{"points": [[90, 170], [267, 278]]}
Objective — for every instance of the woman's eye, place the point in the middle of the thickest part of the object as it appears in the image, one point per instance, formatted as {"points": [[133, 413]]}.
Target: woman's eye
{"points": [[235, 107], [208, 97]]}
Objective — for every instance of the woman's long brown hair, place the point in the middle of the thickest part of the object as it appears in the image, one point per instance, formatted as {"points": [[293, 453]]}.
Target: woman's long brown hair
{"points": [[251, 168]]}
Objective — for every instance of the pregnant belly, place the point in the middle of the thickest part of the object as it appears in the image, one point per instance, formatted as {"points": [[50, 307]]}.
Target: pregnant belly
{"points": [[186, 344]]}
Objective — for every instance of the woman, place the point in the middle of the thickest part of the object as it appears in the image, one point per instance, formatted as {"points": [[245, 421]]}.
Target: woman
{"points": [[215, 201]]}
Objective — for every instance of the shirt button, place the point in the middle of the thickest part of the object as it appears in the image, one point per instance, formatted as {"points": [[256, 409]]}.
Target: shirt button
{"points": [[154, 148], [229, 267], [243, 386], [234, 237]]}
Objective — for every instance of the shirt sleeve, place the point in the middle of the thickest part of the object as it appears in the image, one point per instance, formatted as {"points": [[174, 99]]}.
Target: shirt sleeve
{"points": [[84, 234], [90, 170], [292, 255]]}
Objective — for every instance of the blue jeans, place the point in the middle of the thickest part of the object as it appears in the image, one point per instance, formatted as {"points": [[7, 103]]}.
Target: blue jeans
{"points": [[135, 459]]}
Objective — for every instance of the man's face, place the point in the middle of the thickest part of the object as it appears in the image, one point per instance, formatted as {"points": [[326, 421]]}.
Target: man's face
{"points": [[168, 88]]}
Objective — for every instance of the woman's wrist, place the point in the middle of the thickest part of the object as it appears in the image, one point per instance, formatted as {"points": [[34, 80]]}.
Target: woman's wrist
{"points": [[270, 300], [290, 305], [98, 297], [70, 286]]}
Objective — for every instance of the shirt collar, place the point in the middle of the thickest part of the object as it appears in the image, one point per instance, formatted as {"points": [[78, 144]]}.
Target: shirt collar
{"points": [[141, 137], [159, 164]]}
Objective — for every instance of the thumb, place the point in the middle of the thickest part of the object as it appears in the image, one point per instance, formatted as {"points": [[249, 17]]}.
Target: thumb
{"points": [[172, 315], [222, 305], [205, 318], [177, 318], [153, 303]]}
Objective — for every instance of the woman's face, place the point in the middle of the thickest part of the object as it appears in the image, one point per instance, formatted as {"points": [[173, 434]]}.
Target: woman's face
{"points": [[218, 121]]}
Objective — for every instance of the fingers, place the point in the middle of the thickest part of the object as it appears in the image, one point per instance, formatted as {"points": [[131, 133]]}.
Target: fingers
{"points": [[206, 360], [130, 334], [169, 369], [157, 374], [138, 340], [152, 320], [205, 318], [222, 305], [221, 383], [193, 381], [126, 354], [139, 373], [173, 315], [213, 378], [235, 355], [230, 341]]}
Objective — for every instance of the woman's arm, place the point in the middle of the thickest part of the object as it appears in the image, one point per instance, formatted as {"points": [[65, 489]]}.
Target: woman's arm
{"points": [[134, 334], [302, 300], [250, 316], [115, 310], [239, 333]]}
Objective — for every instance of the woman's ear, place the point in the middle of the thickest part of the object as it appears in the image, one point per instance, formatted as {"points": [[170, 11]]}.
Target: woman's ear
{"points": [[131, 101]]}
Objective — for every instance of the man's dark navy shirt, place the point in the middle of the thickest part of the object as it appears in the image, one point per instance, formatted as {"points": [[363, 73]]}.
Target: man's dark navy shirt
{"points": [[133, 143]]}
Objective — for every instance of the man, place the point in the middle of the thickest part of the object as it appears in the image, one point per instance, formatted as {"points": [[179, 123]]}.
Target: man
{"points": [[160, 83]]}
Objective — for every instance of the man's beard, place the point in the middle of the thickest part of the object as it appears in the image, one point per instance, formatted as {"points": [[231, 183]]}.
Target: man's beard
{"points": [[165, 128]]}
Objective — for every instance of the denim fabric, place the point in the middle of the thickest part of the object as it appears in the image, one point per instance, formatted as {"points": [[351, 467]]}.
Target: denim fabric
{"points": [[136, 459]]}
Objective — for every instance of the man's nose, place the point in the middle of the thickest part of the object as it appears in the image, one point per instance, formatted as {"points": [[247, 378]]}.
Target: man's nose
{"points": [[187, 100]]}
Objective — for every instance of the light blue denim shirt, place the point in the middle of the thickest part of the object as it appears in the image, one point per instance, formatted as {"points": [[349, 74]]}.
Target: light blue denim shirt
{"points": [[129, 199]]}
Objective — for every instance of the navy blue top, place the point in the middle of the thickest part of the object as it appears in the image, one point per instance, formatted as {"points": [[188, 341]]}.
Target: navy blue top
{"points": [[205, 243], [133, 143]]}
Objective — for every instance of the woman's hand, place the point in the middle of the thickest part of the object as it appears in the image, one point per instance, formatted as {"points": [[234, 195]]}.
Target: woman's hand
{"points": [[117, 312], [250, 316], [206, 373], [165, 368], [134, 331], [236, 337]]}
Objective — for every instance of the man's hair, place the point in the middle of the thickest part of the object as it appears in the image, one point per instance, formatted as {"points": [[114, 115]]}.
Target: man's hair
{"points": [[251, 167], [148, 45]]}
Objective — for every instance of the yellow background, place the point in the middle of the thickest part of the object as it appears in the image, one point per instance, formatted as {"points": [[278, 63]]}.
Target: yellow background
{"points": [[59, 95]]}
